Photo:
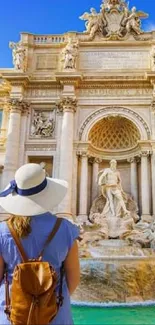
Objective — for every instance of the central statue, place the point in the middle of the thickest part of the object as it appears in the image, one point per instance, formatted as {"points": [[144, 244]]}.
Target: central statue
{"points": [[110, 181]]}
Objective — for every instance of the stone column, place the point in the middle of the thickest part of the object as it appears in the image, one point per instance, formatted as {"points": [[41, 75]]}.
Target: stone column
{"points": [[12, 144], [145, 186], [153, 115], [133, 178], [68, 104], [23, 132], [5, 117], [74, 183], [96, 163], [58, 138], [83, 188], [153, 180]]}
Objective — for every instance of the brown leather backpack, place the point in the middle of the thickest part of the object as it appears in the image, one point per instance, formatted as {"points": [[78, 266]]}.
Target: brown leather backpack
{"points": [[33, 298]]}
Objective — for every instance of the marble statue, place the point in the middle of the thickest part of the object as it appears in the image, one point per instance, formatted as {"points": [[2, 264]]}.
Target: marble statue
{"points": [[110, 182], [133, 22], [114, 21], [94, 22], [42, 125], [43, 165], [153, 59], [69, 55], [19, 56]]}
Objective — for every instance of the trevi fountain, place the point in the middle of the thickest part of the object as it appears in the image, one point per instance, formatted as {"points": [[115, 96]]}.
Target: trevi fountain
{"points": [[82, 104]]}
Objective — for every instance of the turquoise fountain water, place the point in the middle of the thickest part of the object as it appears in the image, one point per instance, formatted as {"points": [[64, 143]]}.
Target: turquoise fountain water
{"points": [[116, 289], [114, 316]]}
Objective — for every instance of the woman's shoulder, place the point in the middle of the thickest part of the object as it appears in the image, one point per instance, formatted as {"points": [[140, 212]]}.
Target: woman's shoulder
{"points": [[4, 232], [3, 227], [70, 231]]}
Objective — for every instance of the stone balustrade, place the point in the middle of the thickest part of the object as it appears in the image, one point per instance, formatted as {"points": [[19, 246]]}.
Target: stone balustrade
{"points": [[42, 39]]}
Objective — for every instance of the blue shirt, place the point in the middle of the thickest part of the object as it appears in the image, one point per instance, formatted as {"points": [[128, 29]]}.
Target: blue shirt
{"points": [[55, 254]]}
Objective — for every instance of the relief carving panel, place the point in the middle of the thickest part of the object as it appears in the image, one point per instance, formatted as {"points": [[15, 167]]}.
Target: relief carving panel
{"points": [[42, 124]]}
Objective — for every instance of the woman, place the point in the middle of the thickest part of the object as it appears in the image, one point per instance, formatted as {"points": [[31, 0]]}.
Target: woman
{"points": [[28, 199]]}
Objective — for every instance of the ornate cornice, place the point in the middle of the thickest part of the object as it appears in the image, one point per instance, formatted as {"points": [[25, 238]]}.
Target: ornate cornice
{"points": [[5, 88], [16, 79], [69, 78]]}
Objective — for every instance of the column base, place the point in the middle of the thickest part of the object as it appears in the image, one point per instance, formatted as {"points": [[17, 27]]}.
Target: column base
{"points": [[147, 218], [83, 219]]}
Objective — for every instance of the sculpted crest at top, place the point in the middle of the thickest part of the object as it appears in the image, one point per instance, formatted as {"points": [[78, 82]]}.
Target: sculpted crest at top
{"points": [[115, 21]]}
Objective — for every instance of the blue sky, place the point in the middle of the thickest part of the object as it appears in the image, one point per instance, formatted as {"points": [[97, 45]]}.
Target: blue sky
{"points": [[50, 17]]}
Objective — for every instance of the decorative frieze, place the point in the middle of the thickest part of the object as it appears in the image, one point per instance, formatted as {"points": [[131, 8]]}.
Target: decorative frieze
{"points": [[42, 147], [115, 92], [42, 93]]}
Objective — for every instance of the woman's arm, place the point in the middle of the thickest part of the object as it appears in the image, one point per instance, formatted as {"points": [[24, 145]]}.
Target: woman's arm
{"points": [[72, 268], [1, 268]]}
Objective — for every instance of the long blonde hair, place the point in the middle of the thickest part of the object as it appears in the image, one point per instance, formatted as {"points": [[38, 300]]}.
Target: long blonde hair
{"points": [[22, 225]]}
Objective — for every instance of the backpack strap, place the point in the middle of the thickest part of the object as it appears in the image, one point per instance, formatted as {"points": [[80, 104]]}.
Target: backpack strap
{"points": [[51, 236], [17, 241]]}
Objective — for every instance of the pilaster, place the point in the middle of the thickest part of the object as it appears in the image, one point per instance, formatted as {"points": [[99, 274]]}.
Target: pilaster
{"points": [[68, 106]]}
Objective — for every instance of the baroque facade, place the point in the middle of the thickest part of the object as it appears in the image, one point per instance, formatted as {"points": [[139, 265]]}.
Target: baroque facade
{"points": [[75, 101]]}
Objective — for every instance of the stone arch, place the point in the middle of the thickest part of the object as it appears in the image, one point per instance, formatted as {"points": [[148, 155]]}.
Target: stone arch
{"points": [[114, 111]]}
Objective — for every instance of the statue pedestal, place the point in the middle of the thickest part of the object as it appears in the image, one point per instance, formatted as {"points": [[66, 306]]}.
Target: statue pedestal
{"points": [[147, 218], [114, 225]]}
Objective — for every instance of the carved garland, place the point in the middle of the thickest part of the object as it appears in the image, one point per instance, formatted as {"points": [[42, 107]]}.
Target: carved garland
{"points": [[118, 110]]}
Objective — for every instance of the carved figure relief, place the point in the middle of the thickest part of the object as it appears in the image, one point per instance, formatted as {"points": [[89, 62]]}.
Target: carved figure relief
{"points": [[69, 55], [19, 56], [43, 125], [114, 21], [153, 59]]}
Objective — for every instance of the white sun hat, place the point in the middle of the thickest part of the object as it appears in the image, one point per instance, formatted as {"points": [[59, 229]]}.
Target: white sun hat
{"points": [[31, 192]]}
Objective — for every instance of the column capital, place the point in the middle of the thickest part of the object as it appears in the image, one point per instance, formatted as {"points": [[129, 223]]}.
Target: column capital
{"points": [[17, 105], [132, 160], [25, 107], [153, 104], [145, 153], [67, 104], [91, 159], [98, 160], [82, 154]]}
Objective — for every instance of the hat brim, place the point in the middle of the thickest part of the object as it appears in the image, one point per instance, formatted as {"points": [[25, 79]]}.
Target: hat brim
{"points": [[42, 202]]}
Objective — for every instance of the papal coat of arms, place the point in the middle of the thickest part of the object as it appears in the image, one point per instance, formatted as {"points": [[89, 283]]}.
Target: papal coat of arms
{"points": [[114, 21]]}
